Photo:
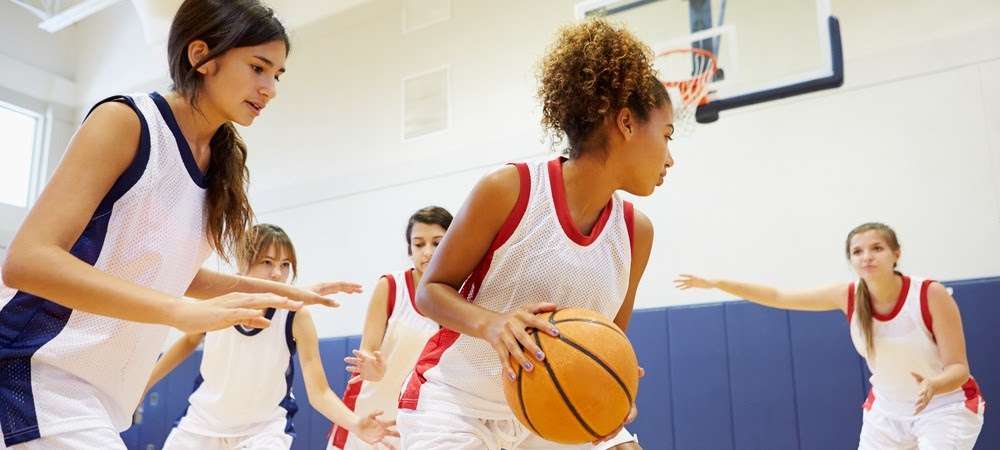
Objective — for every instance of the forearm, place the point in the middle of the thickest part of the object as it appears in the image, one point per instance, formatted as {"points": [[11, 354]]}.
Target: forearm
{"points": [[951, 378], [326, 402], [442, 304], [56, 275], [210, 284], [760, 294]]}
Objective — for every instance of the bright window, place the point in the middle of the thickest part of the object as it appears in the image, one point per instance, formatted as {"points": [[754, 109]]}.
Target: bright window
{"points": [[17, 148]]}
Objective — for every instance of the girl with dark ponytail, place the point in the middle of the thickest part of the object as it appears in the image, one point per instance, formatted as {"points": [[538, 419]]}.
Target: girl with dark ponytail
{"points": [[908, 330], [149, 186]]}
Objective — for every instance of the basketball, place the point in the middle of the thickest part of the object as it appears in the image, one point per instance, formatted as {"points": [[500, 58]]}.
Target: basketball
{"points": [[584, 388]]}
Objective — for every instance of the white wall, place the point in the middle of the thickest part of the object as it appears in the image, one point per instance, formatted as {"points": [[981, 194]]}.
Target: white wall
{"points": [[37, 74], [24, 41], [767, 193]]}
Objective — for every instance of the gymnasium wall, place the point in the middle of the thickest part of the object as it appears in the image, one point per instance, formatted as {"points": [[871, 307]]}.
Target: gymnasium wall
{"points": [[37, 72], [719, 376], [767, 193]]}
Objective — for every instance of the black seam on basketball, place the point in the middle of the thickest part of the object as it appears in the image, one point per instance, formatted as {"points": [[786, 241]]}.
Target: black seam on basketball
{"points": [[600, 362], [520, 398], [595, 322], [569, 404]]}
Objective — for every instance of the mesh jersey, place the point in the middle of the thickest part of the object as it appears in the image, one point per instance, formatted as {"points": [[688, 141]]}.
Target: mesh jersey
{"points": [[538, 255], [64, 370], [406, 333], [245, 383], [904, 342]]}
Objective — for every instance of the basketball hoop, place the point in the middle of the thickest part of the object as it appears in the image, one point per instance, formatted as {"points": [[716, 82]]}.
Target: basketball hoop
{"points": [[692, 90]]}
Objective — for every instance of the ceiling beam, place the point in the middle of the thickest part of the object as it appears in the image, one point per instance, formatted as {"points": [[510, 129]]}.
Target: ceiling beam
{"points": [[74, 14]]}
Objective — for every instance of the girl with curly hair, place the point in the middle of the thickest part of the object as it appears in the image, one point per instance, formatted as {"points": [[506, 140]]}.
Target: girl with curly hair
{"points": [[536, 237]]}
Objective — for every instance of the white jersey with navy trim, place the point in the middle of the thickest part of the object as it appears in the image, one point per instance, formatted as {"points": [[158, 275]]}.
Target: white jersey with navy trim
{"points": [[406, 333], [63, 370], [245, 384], [537, 255]]}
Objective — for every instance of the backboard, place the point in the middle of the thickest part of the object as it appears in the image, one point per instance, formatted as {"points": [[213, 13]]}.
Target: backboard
{"points": [[765, 49]]}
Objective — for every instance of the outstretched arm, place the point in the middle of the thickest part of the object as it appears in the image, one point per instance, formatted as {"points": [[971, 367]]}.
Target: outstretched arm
{"points": [[822, 299], [370, 428]]}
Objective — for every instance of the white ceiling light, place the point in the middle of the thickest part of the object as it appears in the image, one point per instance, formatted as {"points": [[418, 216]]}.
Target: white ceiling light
{"points": [[55, 18]]}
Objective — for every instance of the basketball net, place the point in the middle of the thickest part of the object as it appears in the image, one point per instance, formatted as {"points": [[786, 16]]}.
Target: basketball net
{"points": [[691, 90]]}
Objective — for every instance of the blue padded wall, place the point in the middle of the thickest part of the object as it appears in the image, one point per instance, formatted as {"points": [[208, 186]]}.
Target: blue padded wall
{"points": [[725, 376], [699, 375]]}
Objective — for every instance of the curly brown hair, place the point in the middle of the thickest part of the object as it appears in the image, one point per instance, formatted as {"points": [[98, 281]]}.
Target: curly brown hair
{"points": [[593, 70]]}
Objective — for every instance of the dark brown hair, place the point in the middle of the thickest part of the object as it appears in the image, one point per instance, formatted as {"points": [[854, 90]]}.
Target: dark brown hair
{"points": [[223, 25], [430, 215], [590, 73]]}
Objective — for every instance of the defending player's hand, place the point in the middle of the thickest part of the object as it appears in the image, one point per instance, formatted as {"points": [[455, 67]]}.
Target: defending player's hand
{"points": [[316, 294], [365, 366], [373, 430], [235, 308], [687, 281], [335, 287]]}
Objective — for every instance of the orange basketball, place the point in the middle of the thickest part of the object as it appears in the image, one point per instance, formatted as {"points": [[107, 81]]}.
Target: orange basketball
{"points": [[584, 388]]}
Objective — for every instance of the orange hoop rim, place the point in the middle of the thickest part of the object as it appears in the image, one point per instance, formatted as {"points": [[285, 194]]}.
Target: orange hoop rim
{"points": [[695, 88]]}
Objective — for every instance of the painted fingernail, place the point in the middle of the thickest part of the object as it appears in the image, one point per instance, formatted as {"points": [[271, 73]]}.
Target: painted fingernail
{"points": [[539, 355], [555, 331], [510, 374], [528, 366]]}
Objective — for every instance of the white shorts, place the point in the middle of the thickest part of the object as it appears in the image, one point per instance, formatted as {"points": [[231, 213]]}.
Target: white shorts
{"points": [[353, 443], [89, 439], [186, 440], [433, 430], [950, 427]]}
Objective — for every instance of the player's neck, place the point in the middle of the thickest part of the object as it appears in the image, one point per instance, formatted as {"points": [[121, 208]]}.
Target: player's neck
{"points": [[885, 290], [197, 125], [588, 187]]}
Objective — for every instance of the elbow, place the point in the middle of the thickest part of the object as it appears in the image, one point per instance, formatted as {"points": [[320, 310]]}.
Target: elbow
{"points": [[964, 373], [425, 301], [13, 271], [315, 396]]}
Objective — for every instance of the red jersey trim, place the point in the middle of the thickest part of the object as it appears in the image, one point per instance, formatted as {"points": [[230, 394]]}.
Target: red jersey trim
{"points": [[903, 292], [562, 209], [973, 396], [445, 338], [470, 288], [390, 303], [630, 224], [411, 289], [429, 358], [338, 435], [925, 308]]}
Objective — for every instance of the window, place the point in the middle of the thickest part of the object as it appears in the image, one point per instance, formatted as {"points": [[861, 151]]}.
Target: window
{"points": [[18, 129]]}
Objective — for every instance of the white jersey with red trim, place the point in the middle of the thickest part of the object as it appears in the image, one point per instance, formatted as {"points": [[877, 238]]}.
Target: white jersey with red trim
{"points": [[537, 256], [406, 333], [904, 343]]}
